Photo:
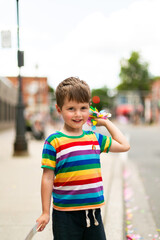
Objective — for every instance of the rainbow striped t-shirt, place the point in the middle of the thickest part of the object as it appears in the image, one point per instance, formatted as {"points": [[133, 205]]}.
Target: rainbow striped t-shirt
{"points": [[75, 161]]}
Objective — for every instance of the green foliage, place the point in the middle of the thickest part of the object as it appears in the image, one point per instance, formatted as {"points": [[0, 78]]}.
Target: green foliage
{"points": [[134, 74], [102, 93], [50, 89]]}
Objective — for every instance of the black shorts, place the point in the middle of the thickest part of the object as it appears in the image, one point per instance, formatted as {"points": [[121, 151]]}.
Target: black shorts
{"points": [[72, 225]]}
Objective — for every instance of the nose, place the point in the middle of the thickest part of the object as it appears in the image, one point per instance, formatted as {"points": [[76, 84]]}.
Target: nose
{"points": [[77, 113]]}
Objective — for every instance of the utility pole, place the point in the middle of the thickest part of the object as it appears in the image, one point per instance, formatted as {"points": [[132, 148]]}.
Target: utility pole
{"points": [[20, 144]]}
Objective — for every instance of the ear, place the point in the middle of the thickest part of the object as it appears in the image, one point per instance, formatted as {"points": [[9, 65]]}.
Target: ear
{"points": [[58, 108]]}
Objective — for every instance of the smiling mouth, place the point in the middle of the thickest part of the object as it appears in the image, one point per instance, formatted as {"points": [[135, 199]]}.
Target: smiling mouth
{"points": [[77, 121]]}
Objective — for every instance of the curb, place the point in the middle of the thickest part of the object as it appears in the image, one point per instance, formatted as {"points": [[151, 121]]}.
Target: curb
{"points": [[140, 223], [113, 213]]}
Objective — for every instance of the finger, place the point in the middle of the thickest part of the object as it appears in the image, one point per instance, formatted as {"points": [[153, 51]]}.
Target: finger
{"points": [[42, 227], [38, 228]]}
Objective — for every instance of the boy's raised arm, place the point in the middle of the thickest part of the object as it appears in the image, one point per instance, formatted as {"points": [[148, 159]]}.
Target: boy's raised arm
{"points": [[46, 192], [119, 141]]}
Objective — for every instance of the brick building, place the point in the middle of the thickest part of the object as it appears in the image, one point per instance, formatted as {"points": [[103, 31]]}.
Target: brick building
{"points": [[153, 102], [8, 101], [156, 99], [35, 93]]}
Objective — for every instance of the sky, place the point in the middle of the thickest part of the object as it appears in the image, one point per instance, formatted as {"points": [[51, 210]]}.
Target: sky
{"points": [[82, 38]]}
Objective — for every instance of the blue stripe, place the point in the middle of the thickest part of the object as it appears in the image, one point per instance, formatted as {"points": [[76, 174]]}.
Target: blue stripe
{"points": [[100, 138], [46, 151], [72, 201], [77, 163], [78, 196], [49, 147], [80, 157]]}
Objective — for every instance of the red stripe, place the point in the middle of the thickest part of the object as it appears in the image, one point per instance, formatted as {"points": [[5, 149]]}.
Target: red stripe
{"points": [[80, 182], [73, 144]]}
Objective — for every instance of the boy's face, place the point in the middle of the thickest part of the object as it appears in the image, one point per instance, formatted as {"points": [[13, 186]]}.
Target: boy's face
{"points": [[74, 115]]}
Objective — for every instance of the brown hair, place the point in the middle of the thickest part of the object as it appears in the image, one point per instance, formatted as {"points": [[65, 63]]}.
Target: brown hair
{"points": [[73, 89]]}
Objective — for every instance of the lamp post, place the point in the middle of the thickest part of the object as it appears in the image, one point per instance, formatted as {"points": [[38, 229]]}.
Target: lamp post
{"points": [[20, 144]]}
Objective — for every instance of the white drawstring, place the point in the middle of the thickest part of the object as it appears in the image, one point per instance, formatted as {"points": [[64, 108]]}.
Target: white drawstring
{"points": [[87, 219], [96, 223]]}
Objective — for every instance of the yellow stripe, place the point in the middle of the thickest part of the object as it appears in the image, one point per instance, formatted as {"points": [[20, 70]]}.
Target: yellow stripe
{"points": [[46, 161], [79, 173], [55, 143], [75, 178], [63, 140], [107, 144]]}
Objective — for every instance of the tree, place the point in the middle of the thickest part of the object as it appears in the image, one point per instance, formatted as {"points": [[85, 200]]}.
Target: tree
{"points": [[105, 100], [134, 75], [51, 89]]}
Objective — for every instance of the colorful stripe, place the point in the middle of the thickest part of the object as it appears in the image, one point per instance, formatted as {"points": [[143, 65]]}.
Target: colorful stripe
{"points": [[80, 187], [80, 182], [77, 192], [74, 208], [76, 163]]}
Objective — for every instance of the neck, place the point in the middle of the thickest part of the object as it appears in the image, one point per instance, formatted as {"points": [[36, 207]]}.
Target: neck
{"points": [[71, 132]]}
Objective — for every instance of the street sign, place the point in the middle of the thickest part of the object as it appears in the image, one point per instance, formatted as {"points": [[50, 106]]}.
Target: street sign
{"points": [[6, 39]]}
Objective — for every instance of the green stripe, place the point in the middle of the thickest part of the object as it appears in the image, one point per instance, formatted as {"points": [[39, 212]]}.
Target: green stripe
{"points": [[48, 156], [59, 135], [52, 137], [67, 136], [76, 204], [110, 139], [45, 166], [79, 168], [89, 133], [103, 143]]}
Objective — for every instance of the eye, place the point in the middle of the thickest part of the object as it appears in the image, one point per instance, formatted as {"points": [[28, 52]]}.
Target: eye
{"points": [[84, 108], [71, 109]]}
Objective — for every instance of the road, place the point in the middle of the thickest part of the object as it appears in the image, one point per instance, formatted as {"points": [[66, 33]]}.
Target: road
{"points": [[145, 152]]}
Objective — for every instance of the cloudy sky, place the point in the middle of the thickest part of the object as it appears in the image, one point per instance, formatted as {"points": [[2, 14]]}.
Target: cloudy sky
{"points": [[84, 38]]}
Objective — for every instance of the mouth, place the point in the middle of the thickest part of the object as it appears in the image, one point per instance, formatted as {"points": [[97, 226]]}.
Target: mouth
{"points": [[77, 121]]}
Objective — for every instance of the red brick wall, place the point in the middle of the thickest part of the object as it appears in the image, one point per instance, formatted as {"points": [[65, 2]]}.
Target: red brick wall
{"points": [[27, 83]]}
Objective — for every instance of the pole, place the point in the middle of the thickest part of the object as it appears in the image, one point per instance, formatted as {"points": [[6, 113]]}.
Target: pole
{"points": [[20, 144], [17, 23]]}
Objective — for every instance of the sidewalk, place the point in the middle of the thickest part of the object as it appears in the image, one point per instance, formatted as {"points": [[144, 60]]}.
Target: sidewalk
{"points": [[20, 177], [20, 201]]}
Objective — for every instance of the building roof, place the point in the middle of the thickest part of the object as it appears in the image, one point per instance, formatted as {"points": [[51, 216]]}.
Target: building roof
{"points": [[7, 82]]}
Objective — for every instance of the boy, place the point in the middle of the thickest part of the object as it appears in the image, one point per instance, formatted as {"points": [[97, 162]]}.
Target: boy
{"points": [[71, 167]]}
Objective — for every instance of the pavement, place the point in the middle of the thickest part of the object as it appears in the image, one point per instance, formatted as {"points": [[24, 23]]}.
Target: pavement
{"points": [[20, 201]]}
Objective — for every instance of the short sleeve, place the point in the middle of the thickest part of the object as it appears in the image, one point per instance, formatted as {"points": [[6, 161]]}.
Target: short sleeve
{"points": [[104, 142], [48, 156]]}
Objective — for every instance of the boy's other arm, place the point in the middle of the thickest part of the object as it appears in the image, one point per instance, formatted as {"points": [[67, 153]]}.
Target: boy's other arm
{"points": [[119, 141], [46, 192]]}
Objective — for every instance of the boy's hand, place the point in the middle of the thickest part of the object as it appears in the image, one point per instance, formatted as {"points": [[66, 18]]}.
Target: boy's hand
{"points": [[100, 121], [42, 221]]}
